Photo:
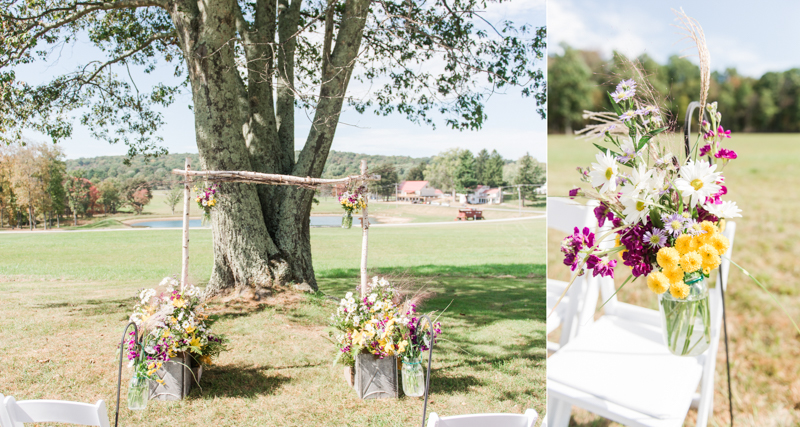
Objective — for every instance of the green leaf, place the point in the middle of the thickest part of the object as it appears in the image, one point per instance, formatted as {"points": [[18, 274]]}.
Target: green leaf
{"points": [[614, 104], [606, 150]]}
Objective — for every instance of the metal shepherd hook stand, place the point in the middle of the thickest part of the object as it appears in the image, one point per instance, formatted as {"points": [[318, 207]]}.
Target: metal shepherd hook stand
{"points": [[430, 358], [686, 132], [119, 374]]}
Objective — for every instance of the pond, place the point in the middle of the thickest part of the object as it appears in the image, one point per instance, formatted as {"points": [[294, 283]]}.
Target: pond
{"points": [[316, 221]]}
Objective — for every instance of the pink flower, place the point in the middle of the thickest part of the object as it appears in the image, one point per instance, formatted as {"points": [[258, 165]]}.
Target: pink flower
{"points": [[725, 153], [705, 149], [722, 133]]}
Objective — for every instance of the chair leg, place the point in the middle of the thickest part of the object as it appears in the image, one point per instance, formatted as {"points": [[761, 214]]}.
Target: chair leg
{"points": [[558, 413]]}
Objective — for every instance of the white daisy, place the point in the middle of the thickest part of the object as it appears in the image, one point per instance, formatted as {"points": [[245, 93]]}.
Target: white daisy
{"points": [[698, 181], [637, 207], [604, 172], [726, 209]]}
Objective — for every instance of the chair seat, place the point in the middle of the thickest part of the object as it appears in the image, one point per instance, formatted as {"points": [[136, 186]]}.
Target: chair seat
{"points": [[616, 366]]}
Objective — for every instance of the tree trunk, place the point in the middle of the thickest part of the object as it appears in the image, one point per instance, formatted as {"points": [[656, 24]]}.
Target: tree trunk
{"points": [[74, 218], [261, 233], [30, 217]]}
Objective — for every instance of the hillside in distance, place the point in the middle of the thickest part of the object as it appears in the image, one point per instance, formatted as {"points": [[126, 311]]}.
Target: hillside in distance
{"points": [[157, 170]]}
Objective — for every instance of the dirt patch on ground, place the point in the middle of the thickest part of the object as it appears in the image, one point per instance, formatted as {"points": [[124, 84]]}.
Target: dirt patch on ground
{"points": [[392, 219]]}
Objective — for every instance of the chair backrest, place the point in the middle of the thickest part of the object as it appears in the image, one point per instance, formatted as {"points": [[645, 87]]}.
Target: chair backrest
{"points": [[564, 214], [5, 419], [43, 411], [528, 419]]}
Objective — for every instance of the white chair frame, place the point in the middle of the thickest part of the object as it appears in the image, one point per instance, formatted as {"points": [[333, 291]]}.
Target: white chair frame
{"points": [[562, 397], [573, 313], [528, 419], [15, 414]]}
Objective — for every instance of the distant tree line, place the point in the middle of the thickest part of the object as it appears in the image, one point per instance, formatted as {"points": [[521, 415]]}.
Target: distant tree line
{"points": [[36, 188], [578, 80], [158, 171], [458, 170]]}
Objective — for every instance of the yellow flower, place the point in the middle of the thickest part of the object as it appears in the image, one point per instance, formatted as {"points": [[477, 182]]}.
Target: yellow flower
{"points": [[674, 275], [179, 303], [657, 282], [684, 243], [720, 243], [679, 290], [668, 257], [709, 228], [212, 203], [190, 329], [205, 359], [195, 342], [710, 256], [402, 346], [686, 215], [166, 333], [691, 261], [706, 271]]}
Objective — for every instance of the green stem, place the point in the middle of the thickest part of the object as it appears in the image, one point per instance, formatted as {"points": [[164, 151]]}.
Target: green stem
{"points": [[767, 291]]}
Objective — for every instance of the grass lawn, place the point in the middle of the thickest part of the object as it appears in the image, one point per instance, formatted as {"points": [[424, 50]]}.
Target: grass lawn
{"points": [[66, 298], [764, 346]]}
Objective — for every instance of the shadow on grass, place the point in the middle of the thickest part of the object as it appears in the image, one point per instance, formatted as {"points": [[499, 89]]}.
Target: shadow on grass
{"points": [[453, 384], [93, 307], [480, 270], [239, 381]]}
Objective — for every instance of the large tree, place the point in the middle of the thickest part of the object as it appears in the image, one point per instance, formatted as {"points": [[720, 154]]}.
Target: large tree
{"points": [[387, 185], [248, 64]]}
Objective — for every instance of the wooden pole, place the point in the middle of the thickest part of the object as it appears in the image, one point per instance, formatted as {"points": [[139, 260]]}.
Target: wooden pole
{"points": [[364, 238], [186, 204]]}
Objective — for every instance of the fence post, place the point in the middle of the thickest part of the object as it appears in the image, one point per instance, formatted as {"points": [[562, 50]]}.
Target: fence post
{"points": [[186, 204]]}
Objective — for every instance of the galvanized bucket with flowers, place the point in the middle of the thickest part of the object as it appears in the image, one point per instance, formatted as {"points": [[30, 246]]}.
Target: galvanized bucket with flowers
{"points": [[374, 334], [175, 342]]}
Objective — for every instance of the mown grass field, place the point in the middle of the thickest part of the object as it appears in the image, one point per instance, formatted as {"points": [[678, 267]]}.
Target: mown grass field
{"points": [[66, 297], [764, 346]]}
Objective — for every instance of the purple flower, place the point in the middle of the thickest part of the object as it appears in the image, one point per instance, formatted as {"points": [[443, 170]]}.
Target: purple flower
{"points": [[655, 238], [627, 115], [725, 153], [574, 243], [626, 85], [574, 192], [722, 133], [600, 266], [674, 224], [705, 149]]}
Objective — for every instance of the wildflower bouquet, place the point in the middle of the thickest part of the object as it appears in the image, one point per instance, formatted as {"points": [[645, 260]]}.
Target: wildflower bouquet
{"points": [[352, 203], [206, 200], [170, 322], [667, 213], [381, 323]]}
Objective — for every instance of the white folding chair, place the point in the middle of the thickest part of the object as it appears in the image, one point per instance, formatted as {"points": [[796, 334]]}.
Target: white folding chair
{"points": [[5, 419], [528, 419], [43, 411], [571, 314], [620, 369]]}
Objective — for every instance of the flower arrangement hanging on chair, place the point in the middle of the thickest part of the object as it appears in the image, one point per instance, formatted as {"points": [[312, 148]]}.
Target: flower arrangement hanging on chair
{"points": [[352, 203], [383, 323], [666, 210], [206, 200], [170, 322]]}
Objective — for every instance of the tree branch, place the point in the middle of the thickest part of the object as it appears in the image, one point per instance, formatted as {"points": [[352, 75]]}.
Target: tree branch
{"points": [[47, 27]]}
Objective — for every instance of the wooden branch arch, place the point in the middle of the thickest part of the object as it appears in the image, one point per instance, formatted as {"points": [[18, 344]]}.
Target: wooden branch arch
{"points": [[269, 179]]}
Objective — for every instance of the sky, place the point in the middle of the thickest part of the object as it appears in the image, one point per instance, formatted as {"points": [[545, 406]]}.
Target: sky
{"points": [[753, 37], [513, 127]]}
